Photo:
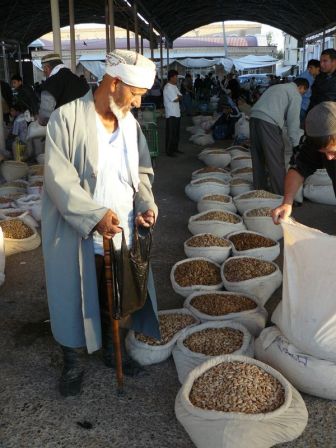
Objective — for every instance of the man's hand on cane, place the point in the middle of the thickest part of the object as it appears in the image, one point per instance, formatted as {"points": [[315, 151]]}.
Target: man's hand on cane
{"points": [[146, 219], [108, 225]]}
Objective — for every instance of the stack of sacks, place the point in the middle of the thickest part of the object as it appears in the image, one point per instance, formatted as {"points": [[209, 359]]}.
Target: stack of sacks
{"points": [[319, 188], [302, 345]]}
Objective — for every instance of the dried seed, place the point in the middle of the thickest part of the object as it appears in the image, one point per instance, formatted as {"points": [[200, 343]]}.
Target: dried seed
{"points": [[243, 170], [262, 194], [215, 341], [38, 183], [245, 268], [4, 200], [262, 211], [170, 324], [212, 169], [238, 181], [247, 241], [197, 272], [211, 179], [15, 229], [219, 216], [207, 240], [217, 197], [222, 304]]}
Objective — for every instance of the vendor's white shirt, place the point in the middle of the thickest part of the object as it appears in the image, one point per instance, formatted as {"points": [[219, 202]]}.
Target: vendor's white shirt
{"points": [[170, 93], [114, 185]]}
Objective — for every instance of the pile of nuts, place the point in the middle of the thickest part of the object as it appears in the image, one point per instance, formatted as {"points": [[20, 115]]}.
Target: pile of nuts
{"points": [[237, 387], [16, 183], [37, 183], [238, 181], [218, 151], [219, 216], [245, 268], [262, 194], [14, 214], [221, 304], [4, 200], [211, 169], [170, 324], [247, 241], [242, 158], [215, 341], [207, 240], [197, 272], [16, 229], [243, 170], [262, 211], [210, 179], [217, 197]]}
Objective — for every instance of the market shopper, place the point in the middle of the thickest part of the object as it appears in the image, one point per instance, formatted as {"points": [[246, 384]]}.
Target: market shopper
{"points": [[317, 151], [278, 106], [324, 87], [60, 87], [97, 179], [171, 99], [24, 95], [313, 69]]}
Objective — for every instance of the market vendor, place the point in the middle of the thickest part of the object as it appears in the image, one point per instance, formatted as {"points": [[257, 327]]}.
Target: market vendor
{"points": [[97, 178], [316, 152]]}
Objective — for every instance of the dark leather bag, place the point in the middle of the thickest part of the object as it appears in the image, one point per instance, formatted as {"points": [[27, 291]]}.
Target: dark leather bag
{"points": [[130, 268]]}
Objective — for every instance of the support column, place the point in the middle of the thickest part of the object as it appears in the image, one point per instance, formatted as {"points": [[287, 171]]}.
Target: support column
{"points": [[136, 29], [72, 35], [111, 23], [323, 40], [161, 60], [56, 28], [20, 61], [167, 57], [5, 62], [107, 31], [2, 133], [304, 55], [128, 37], [151, 40], [142, 44]]}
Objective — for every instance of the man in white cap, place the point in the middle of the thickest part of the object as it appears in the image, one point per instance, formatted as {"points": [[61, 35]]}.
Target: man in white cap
{"points": [[98, 178], [318, 151]]}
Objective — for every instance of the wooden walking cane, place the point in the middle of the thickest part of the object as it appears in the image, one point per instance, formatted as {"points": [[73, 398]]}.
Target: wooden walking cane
{"points": [[114, 322]]}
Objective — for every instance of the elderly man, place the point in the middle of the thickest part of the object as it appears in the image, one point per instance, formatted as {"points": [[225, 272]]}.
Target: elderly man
{"points": [[98, 177], [60, 87]]}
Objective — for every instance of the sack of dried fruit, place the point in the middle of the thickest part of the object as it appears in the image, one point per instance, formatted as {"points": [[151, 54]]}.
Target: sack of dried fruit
{"points": [[243, 173], [256, 199], [217, 222], [211, 171], [260, 220], [251, 275], [237, 151], [239, 186], [199, 344], [225, 305], [24, 215], [209, 246], [195, 274], [308, 374], [19, 237], [5, 202], [254, 244], [201, 187], [241, 162], [2, 258], [233, 401], [146, 350], [217, 202], [306, 315], [216, 157]]}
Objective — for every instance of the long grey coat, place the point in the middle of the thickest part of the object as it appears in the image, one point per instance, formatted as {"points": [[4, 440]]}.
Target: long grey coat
{"points": [[69, 214]]}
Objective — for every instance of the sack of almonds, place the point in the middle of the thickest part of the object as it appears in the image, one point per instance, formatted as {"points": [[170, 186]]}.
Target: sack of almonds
{"points": [[217, 158], [211, 171], [236, 401], [18, 236], [24, 215], [239, 186], [195, 274], [209, 246], [216, 201], [208, 185], [251, 275], [254, 244], [223, 306], [308, 374], [202, 342], [217, 222], [260, 220], [241, 162], [237, 151], [255, 199], [146, 350], [243, 173]]}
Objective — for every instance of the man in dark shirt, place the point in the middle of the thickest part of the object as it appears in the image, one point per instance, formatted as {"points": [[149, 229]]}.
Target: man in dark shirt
{"points": [[324, 86], [318, 151], [24, 95]]}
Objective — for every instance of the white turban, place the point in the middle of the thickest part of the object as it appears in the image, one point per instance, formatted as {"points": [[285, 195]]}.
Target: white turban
{"points": [[131, 68]]}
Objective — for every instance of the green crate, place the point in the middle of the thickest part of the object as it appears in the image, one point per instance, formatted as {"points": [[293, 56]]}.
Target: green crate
{"points": [[151, 133]]}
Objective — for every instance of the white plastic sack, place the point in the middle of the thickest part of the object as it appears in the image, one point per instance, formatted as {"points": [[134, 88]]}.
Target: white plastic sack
{"points": [[15, 246], [263, 253], [198, 119], [320, 177], [186, 360], [241, 188], [212, 429], [146, 354], [263, 225], [224, 175], [196, 191], [219, 160], [254, 320], [238, 162], [307, 313], [36, 130], [322, 194], [218, 228], [24, 216], [243, 175], [242, 128], [2, 258], [261, 287], [244, 204], [308, 374], [204, 205], [203, 140], [218, 254], [185, 291]]}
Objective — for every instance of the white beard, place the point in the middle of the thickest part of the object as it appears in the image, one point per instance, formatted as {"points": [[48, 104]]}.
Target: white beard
{"points": [[115, 109]]}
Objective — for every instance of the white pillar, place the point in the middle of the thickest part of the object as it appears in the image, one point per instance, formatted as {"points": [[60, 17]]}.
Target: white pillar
{"points": [[136, 29], [128, 37], [161, 60], [72, 35], [167, 56], [111, 23], [56, 28], [151, 40], [2, 134], [107, 27]]}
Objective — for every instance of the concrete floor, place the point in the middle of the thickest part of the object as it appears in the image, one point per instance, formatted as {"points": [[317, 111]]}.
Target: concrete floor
{"points": [[32, 413]]}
